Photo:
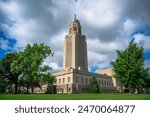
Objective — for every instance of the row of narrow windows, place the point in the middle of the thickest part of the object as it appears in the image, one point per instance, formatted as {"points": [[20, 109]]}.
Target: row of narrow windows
{"points": [[86, 81], [63, 80], [106, 83]]}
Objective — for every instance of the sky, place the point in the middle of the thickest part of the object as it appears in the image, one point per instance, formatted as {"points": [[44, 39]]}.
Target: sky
{"points": [[109, 25]]}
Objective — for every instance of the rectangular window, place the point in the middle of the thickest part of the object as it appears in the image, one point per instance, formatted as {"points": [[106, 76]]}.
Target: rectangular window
{"points": [[76, 79], [74, 29], [56, 81], [63, 80], [86, 81], [69, 89], [89, 80], [59, 81], [68, 79], [82, 80]]}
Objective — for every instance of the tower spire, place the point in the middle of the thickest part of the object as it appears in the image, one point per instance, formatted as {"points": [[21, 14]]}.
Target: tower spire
{"points": [[75, 27], [74, 16]]}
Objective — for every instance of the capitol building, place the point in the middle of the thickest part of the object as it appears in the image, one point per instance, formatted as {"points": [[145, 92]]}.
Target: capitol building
{"points": [[75, 77]]}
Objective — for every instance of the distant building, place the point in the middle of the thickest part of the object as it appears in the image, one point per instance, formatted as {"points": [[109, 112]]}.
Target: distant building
{"points": [[75, 77], [110, 72]]}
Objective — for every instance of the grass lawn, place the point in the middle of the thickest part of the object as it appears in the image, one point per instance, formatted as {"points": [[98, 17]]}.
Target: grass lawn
{"points": [[102, 96]]}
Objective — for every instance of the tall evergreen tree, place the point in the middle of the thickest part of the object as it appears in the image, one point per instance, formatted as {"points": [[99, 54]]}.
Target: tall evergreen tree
{"points": [[94, 86], [129, 67]]}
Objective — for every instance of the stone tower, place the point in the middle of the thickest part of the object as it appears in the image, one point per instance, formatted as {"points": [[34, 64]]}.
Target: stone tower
{"points": [[75, 48]]}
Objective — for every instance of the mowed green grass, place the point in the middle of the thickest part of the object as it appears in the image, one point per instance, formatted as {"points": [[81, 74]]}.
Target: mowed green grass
{"points": [[102, 96]]}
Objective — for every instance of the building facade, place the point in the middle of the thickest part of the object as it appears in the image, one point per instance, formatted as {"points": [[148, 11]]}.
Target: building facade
{"points": [[75, 77], [77, 81], [110, 72]]}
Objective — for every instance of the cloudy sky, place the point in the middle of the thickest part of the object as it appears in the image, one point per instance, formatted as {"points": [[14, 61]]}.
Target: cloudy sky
{"points": [[108, 25]]}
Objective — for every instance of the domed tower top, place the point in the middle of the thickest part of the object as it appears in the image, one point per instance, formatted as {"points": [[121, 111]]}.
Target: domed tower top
{"points": [[75, 27]]}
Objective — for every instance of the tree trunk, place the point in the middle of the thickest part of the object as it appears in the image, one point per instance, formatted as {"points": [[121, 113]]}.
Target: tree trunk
{"points": [[32, 89], [19, 90], [27, 89], [137, 90], [131, 91], [16, 88]]}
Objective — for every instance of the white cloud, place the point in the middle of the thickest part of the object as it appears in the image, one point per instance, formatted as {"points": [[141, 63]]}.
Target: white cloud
{"points": [[107, 24], [57, 41], [102, 47], [95, 57], [11, 9], [147, 63], [129, 27], [100, 53], [4, 44], [55, 66], [99, 14], [143, 40]]}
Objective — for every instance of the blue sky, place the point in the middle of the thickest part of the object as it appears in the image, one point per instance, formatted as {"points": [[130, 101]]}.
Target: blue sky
{"points": [[6, 44], [147, 55], [108, 26]]}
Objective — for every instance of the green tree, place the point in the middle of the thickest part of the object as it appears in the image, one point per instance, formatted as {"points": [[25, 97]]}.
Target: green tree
{"points": [[129, 67], [3, 82], [94, 86], [48, 79], [32, 58], [7, 77], [146, 78]]}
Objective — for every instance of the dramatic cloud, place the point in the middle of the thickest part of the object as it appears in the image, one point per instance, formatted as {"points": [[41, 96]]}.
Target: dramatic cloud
{"points": [[108, 25], [143, 40]]}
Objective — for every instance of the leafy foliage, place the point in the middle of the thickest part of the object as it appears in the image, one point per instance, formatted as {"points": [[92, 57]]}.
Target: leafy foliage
{"points": [[7, 77], [94, 86], [31, 67], [129, 67], [25, 68]]}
